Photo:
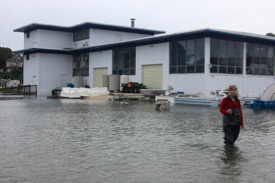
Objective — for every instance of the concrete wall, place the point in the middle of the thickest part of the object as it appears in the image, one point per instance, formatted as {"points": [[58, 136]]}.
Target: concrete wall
{"points": [[187, 83], [55, 39], [48, 39], [152, 54], [30, 70], [99, 60], [32, 41], [99, 36], [54, 70]]}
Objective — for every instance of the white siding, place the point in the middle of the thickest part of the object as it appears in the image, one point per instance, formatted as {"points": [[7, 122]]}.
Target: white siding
{"points": [[48, 39], [53, 70], [99, 60], [32, 41], [30, 70], [187, 83], [152, 54], [55, 39], [99, 37]]}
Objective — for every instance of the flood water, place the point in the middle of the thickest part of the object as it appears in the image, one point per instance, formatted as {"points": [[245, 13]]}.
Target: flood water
{"points": [[43, 140]]}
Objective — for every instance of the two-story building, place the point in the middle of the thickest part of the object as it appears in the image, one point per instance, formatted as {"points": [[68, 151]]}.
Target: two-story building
{"points": [[200, 61], [15, 62]]}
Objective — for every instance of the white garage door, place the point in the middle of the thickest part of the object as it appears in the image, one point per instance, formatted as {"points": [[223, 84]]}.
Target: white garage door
{"points": [[98, 73], [152, 76]]}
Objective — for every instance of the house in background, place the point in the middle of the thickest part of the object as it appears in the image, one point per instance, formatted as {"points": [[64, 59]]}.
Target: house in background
{"points": [[15, 62], [201, 61]]}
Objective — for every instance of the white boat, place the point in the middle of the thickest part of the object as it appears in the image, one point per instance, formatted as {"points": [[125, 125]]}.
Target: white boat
{"points": [[197, 100]]}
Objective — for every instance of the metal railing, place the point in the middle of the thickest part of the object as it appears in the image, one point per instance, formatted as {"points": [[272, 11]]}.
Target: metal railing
{"points": [[19, 90]]}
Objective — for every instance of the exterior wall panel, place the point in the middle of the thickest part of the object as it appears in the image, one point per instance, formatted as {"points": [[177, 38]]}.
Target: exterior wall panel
{"points": [[152, 54], [99, 60], [55, 39], [54, 70], [100, 37]]}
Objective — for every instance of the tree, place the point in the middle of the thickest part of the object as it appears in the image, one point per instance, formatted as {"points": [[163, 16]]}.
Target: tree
{"points": [[5, 54], [270, 34]]}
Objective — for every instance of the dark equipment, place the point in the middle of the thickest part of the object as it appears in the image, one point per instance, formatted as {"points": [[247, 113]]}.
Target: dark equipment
{"points": [[132, 87]]}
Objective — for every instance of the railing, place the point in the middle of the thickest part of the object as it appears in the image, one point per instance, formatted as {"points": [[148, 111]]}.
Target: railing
{"points": [[19, 90]]}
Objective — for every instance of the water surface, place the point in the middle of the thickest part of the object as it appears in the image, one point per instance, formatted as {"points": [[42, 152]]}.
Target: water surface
{"points": [[101, 141]]}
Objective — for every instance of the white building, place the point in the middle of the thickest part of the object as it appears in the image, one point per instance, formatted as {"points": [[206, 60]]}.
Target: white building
{"points": [[200, 61]]}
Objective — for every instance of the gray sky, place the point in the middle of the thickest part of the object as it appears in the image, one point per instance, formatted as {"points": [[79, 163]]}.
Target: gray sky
{"points": [[168, 15]]}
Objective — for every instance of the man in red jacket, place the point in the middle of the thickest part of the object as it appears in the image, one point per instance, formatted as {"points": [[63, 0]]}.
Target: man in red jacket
{"points": [[232, 116]]}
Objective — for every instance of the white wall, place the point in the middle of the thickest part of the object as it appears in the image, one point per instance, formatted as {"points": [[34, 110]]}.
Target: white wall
{"points": [[48, 39], [55, 39], [99, 36], [152, 54], [30, 70], [187, 83], [248, 86], [99, 60], [32, 41], [53, 70]]}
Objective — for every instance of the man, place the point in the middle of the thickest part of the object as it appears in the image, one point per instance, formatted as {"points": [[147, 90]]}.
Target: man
{"points": [[232, 116]]}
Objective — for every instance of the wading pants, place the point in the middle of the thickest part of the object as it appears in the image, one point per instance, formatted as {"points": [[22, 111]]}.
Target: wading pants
{"points": [[231, 133]]}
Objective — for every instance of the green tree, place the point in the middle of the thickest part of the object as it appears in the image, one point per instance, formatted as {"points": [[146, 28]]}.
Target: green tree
{"points": [[270, 34], [16, 74], [5, 54]]}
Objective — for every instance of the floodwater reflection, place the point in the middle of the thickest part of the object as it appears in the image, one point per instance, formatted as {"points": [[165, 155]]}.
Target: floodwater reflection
{"points": [[101, 141]]}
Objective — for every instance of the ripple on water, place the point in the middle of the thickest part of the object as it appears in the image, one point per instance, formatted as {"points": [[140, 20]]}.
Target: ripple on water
{"points": [[102, 141]]}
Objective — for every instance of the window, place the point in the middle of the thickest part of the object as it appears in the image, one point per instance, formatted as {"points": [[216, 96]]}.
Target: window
{"points": [[124, 61], [226, 57], [28, 57], [81, 35], [81, 65], [260, 60], [187, 56], [28, 34]]}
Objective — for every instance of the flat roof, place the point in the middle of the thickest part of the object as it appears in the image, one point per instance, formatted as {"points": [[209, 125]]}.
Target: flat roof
{"points": [[86, 25], [196, 34]]}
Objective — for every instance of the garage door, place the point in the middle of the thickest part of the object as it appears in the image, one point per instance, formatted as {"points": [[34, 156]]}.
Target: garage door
{"points": [[98, 73], [152, 76]]}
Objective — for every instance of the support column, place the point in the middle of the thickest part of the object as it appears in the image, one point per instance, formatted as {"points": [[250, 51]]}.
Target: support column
{"points": [[207, 56], [207, 66], [244, 59]]}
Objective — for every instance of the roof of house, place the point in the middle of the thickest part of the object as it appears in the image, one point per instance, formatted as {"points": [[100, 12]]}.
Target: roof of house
{"points": [[162, 38], [86, 25]]}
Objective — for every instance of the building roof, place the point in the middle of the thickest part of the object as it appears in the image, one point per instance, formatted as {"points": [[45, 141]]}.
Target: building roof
{"points": [[86, 25], [162, 38]]}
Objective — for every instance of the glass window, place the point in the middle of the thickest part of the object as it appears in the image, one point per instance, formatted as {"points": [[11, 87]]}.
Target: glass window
{"points": [[187, 56], [181, 53], [226, 57], [260, 60], [81, 35], [81, 65], [173, 54], [124, 61]]}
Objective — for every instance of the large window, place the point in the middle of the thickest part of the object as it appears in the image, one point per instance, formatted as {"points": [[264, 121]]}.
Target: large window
{"points": [[260, 60], [226, 57], [81, 35], [124, 61], [187, 56], [81, 65]]}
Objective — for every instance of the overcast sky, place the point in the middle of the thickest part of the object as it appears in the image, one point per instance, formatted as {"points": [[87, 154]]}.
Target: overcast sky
{"points": [[168, 15]]}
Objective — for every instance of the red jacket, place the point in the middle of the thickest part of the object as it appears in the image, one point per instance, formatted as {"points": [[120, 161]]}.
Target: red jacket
{"points": [[229, 104]]}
